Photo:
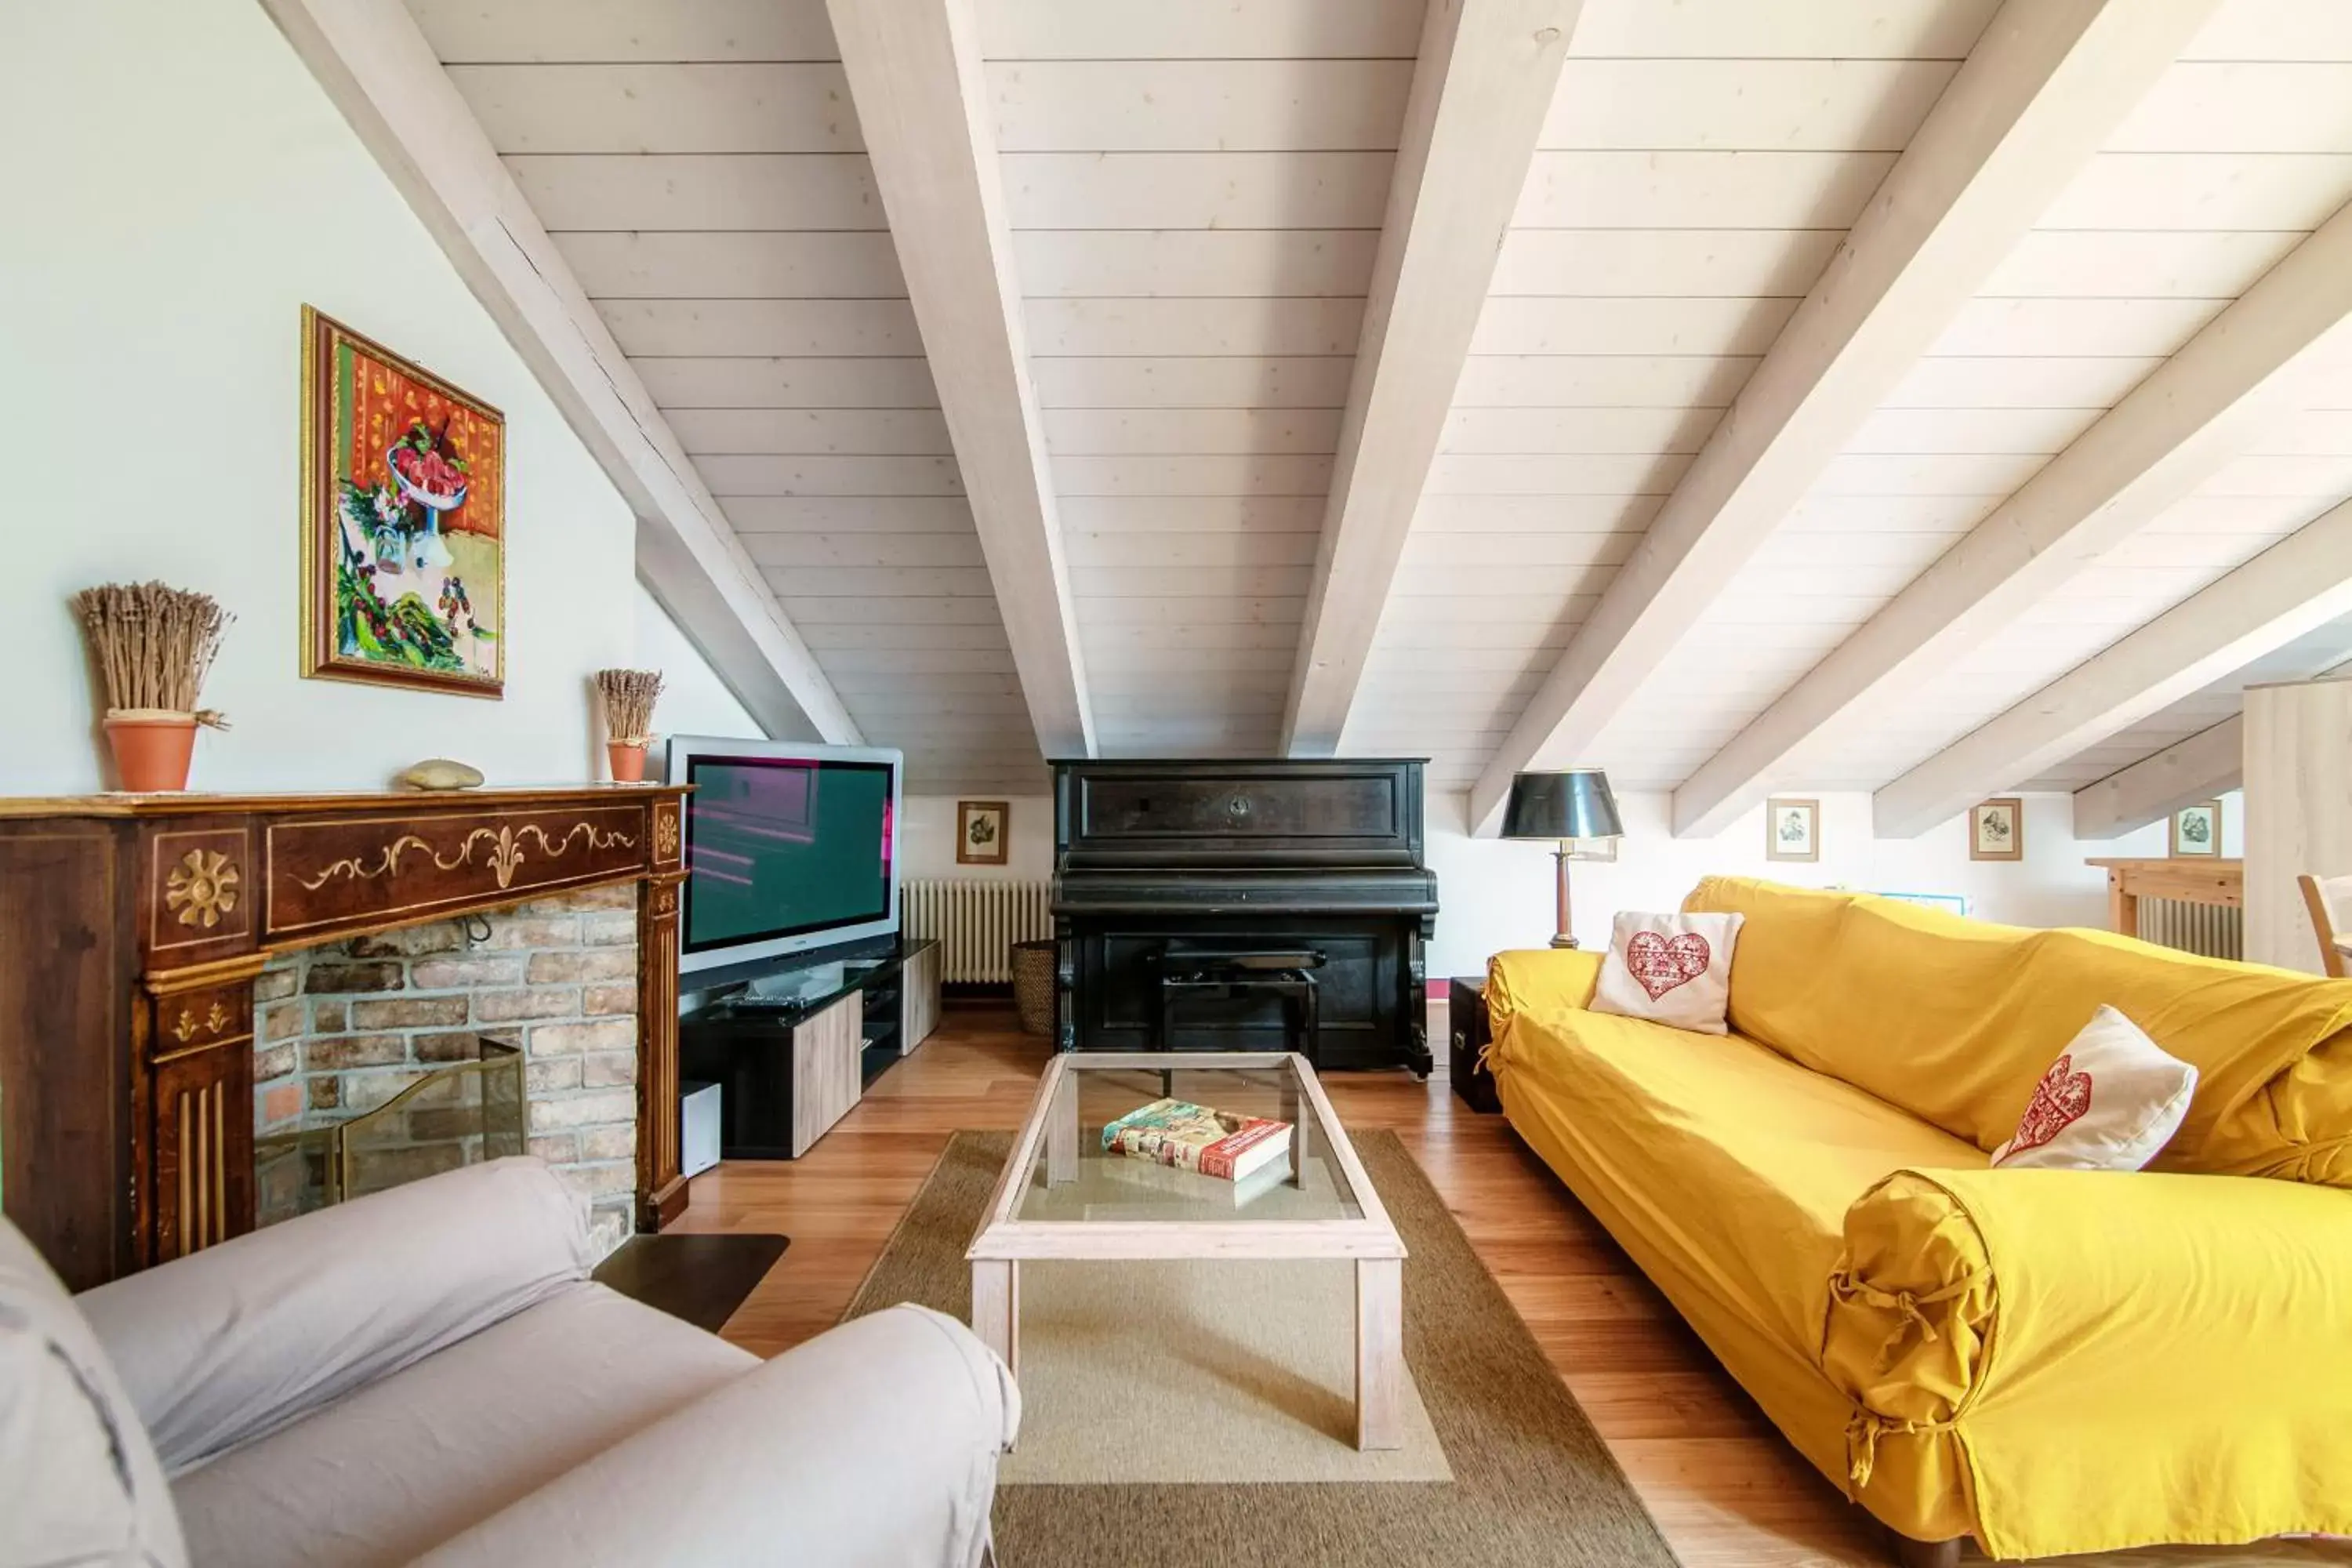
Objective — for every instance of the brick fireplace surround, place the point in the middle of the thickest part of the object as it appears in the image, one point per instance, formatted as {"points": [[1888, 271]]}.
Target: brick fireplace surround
{"points": [[343, 1026]]}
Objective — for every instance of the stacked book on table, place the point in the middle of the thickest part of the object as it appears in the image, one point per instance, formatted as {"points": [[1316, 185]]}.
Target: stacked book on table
{"points": [[1191, 1149]]}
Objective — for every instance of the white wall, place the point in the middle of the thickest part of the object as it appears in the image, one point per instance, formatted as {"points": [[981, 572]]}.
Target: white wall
{"points": [[928, 835], [694, 700], [178, 188], [1495, 894]]}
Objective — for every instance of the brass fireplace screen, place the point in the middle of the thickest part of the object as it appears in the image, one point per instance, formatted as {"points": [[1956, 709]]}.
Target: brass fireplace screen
{"points": [[459, 1114]]}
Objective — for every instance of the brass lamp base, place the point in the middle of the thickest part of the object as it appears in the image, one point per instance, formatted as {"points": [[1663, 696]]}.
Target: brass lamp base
{"points": [[1562, 937]]}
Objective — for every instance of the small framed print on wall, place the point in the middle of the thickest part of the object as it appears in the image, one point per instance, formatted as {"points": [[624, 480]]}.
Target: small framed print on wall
{"points": [[1792, 830], [2197, 830], [981, 828], [1997, 829]]}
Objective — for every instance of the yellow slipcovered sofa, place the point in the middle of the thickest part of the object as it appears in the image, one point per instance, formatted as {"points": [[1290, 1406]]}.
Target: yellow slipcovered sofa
{"points": [[2049, 1361]]}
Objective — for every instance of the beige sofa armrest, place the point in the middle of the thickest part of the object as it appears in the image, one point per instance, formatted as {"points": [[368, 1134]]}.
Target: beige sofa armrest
{"points": [[230, 1343], [874, 1443]]}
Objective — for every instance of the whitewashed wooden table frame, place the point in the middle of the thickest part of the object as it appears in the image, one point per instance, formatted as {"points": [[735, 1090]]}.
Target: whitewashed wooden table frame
{"points": [[1004, 1242]]}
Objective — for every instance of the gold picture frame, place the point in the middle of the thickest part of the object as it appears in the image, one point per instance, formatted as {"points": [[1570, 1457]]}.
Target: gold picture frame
{"points": [[1793, 829], [1997, 829], [983, 832], [402, 520]]}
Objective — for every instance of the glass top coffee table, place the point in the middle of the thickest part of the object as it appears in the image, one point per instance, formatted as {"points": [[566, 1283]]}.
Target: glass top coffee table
{"points": [[1062, 1197]]}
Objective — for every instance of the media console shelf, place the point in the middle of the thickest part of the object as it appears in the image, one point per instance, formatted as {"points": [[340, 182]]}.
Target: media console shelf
{"points": [[793, 1063]]}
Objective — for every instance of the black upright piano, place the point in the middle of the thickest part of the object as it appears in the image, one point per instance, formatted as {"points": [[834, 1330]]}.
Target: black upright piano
{"points": [[1286, 877]]}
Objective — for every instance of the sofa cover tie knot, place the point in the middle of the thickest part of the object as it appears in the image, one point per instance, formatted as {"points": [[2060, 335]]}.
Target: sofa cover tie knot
{"points": [[1861, 1435], [1905, 1303]]}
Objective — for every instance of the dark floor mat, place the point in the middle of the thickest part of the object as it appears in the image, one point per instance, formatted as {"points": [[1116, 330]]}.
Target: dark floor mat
{"points": [[702, 1279]]}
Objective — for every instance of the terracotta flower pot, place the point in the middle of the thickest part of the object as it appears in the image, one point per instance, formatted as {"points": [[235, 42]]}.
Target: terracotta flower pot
{"points": [[152, 746], [628, 760]]}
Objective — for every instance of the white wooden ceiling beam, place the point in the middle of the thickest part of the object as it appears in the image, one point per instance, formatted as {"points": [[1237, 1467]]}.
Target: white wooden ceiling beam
{"points": [[914, 71], [1482, 86], [2046, 83], [2201, 408], [380, 72], [2297, 585], [2196, 768]]}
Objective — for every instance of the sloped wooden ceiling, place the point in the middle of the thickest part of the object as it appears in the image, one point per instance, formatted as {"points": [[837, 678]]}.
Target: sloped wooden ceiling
{"points": [[701, 168], [1195, 197]]}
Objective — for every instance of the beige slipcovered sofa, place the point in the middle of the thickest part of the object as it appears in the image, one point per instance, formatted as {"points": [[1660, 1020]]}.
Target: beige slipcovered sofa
{"points": [[429, 1375]]}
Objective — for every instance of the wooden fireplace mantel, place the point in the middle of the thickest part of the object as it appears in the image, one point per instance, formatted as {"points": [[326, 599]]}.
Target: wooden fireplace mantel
{"points": [[132, 928]]}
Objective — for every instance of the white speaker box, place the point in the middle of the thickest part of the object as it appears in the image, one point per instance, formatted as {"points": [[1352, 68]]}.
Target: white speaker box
{"points": [[697, 1137]]}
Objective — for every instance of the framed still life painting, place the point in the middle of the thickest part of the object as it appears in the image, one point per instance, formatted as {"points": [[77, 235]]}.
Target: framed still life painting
{"points": [[403, 521]]}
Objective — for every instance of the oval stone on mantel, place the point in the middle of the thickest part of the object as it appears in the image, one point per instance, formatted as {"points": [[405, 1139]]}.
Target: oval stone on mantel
{"points": [[440, 772]]}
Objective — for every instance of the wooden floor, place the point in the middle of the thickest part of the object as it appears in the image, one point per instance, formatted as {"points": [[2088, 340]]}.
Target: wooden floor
{"points": [[1721, 1482]]}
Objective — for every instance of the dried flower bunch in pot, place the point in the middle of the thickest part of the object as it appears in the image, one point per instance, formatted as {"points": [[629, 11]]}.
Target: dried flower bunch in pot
{"points": [[629, 695], [154, 644]]}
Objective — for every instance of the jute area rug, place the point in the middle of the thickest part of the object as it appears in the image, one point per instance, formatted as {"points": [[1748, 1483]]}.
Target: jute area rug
{"points": [[1532, 1483]]}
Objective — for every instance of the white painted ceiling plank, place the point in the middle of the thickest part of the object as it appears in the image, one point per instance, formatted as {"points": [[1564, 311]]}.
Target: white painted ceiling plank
{"points": [[2171, 434], [1259, 30], [915, 72], [554, 32], [1735, 188], [661, 108], [1805, 29], [628, 192], [379, 69], [1823, 105], [1177, 432], [2199, 768], [1196, 105], [1251, 263], [2042, 89], [720, 328], [2147, 191], [2290, 589], [777, 380], [1201, 190], [1171, 327], [1219, 381], [846, 431], [856, 264]]}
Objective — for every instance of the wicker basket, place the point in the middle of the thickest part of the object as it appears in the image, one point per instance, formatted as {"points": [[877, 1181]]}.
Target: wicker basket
{"points": [[1033, 986]]}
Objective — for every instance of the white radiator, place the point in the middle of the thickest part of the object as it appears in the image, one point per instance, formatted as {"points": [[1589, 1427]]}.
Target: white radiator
{"points": [[2216, 930], [976, 923]]}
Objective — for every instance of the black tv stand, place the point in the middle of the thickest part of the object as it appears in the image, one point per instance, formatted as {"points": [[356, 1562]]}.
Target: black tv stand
{"points": [[796, 1044]]}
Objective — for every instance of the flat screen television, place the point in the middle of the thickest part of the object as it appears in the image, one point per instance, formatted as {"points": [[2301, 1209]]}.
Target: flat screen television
{"points": [[790, 849]]}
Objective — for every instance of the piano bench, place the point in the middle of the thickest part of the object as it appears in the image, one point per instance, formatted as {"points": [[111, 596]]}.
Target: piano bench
{"points": [[1185, 969]]}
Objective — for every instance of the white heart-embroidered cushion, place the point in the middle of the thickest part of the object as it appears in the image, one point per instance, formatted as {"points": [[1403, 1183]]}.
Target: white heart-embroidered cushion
{"points": [[1670, 969], [2110, 1102]]}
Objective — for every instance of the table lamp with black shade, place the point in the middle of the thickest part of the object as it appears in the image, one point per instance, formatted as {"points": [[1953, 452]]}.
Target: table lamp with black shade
{"points": [[1563, 807]]}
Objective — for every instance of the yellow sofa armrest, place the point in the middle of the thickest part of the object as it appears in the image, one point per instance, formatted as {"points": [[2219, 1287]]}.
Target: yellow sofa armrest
{"points": [[2098, 1359], [1537, 981]]}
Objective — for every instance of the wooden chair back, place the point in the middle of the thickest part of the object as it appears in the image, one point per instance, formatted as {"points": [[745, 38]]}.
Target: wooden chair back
{"points": [[2329, 901]]}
